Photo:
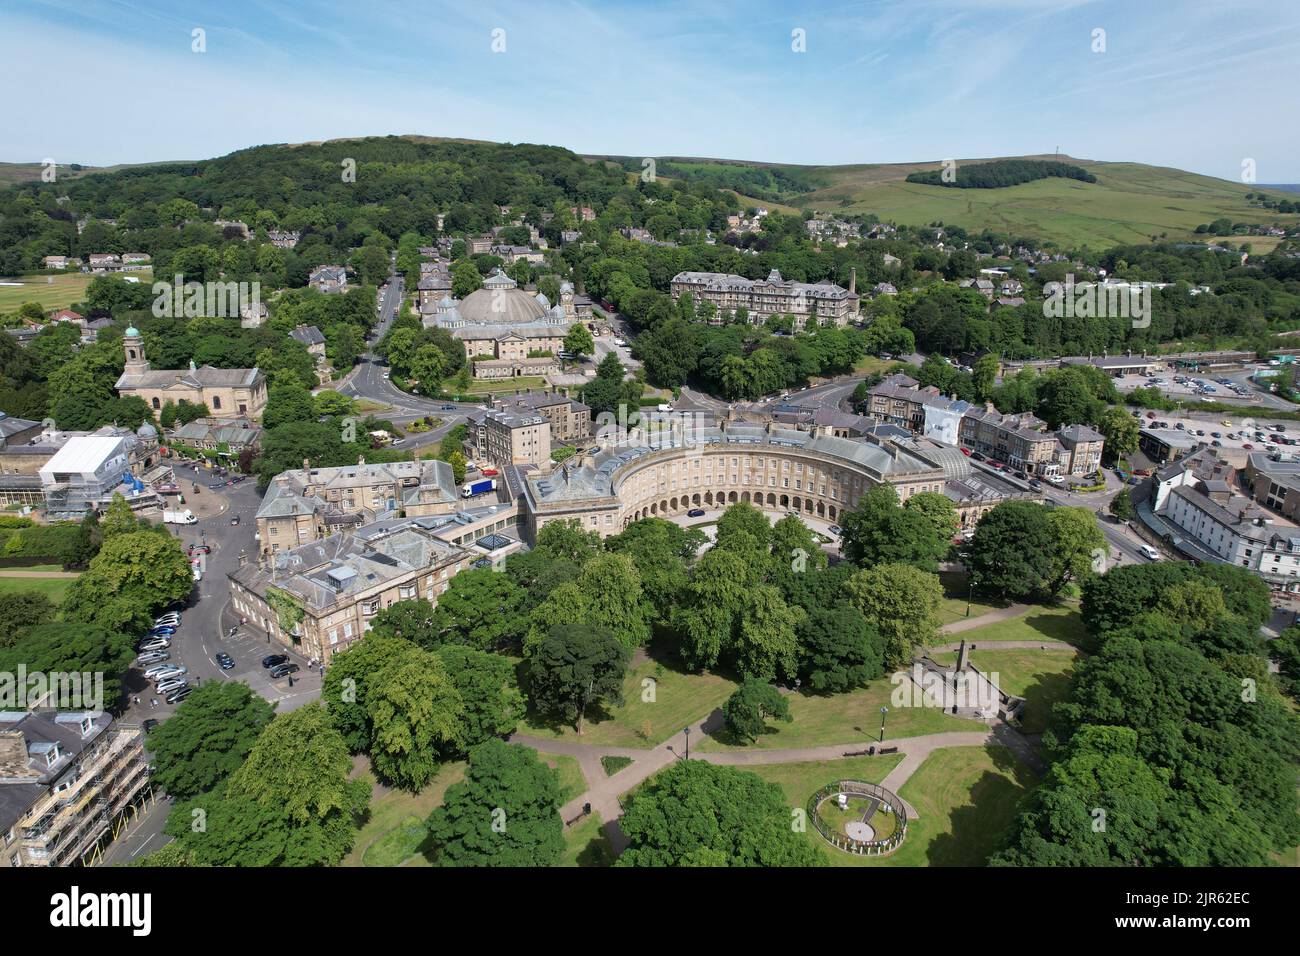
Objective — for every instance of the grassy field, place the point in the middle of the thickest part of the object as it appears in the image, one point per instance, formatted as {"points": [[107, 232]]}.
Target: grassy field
{"points": [[1041, 677], [967, 799], [585, 844], [395, 830], [572, 782], [50, 292], [52, 588], [501, 387], [953, 606], [1038, 624], [679, 700], [1130, 202], [846, 718]]}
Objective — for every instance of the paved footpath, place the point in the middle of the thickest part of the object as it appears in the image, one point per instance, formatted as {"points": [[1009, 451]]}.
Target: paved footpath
{"points": [[992, 617], [1008, 646], [604, 792]]}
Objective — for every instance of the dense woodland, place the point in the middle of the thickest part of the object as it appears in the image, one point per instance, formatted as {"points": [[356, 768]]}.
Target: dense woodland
{"points": [[1000, 173]]}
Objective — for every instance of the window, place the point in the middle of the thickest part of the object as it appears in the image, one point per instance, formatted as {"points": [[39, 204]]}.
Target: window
{"points": [[155, 403], [216, 401]]}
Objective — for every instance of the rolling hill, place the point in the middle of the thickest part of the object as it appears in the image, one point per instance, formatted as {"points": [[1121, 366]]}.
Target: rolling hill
{"points": [[1130, 202]]}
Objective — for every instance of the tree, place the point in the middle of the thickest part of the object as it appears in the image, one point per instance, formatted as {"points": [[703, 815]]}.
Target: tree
{"points": [[207, 739], [878, 531], [711, 608], [413, 619], [1120, 429], [575, 666], [481, 608], [492, 702], [939, 510], [133, 575], [348, 682], [288, 401], [1014, 552], [838, 650], [700, 814], [746, 712], [504, 813], [567, 541], [72, 648], [900, 603], [578, 340], [613, 601], [427, 367], [1121, 506], [414, 711], [118, 517], [743, 516], [21, 610], [300, 769], [1080, 545], [766, 645]]}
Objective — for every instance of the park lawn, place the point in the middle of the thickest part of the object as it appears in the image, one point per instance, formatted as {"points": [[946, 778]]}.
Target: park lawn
{"points": [[953, 605], [1061, 624], [49, 292], [966, 798], [852, 718], [680, 699], [870, 364], [1041, 677], [799, 781], [585, 844], [572, 782], [498, 387], [53, 588], [395, 830]]}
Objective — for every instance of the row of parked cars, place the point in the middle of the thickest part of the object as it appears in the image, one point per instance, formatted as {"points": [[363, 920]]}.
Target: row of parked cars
{"points": [[155, 657]]}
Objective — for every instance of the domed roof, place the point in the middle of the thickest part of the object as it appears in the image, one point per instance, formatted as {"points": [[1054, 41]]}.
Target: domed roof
{"points": [[500, 302], [132, 330], [146, 431]]}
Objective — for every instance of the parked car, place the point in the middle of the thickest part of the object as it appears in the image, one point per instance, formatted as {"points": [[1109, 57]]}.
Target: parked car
{"points": [[152, 657], [835, 530], [224, 660], [172, 670], [274, 660], [162, 630], [234, 519], [490, 472], [283, 670], [172, 685], [171, 617], [695, 513], [180, 695], [148, 725], [157, 644], [157, 669], [397, 441]]}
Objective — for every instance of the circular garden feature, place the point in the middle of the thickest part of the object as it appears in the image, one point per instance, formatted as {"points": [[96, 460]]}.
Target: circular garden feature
{"points": [[858, 817]]}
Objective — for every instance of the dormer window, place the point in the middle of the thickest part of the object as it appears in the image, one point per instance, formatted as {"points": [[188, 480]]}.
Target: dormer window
{"points": [[52, 756]]}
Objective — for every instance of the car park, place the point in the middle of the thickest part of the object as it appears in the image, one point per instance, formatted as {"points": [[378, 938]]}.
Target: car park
{"points": [[224, 660], [157, 669], [173, 670], [180, 695], [158, 644], [283, 670], [274, 660], [152, 657], [234, 519], [173, 685]]}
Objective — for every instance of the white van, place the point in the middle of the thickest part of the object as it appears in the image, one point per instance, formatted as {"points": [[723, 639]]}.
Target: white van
{"points": [[1148, 552]]}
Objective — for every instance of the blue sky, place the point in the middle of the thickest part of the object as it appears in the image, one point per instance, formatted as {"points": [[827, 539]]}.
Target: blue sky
{"points": [[1197, 84]]}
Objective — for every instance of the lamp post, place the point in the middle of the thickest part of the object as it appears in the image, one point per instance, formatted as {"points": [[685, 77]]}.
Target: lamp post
{"points": [[883, 712], [687, 732]]}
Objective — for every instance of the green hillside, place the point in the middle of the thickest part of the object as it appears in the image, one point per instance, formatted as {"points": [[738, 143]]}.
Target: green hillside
{"points": [[1130, 202]]}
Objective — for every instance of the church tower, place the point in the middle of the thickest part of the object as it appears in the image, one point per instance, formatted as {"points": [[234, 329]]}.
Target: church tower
{"points": [[136, 363]]}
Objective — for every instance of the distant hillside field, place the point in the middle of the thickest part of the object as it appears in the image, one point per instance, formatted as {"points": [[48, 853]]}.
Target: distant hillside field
{"points": [[1130, 202]]}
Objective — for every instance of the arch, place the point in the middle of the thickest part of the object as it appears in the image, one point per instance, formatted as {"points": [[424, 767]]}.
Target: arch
{"points": [[731, 498], [832, 512], [654, 508], [808, 505], [674, 504], [797, 503], [821, 510], [663, 506], [695, 499], [785, 501], [771, 498], [708, 497], [744, 496]]}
